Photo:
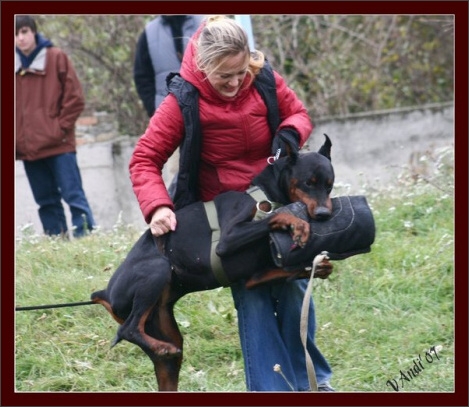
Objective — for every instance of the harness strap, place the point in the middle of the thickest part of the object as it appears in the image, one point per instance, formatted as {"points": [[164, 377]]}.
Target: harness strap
{"points": [[211, 211], [215, 261], [260, 197]]}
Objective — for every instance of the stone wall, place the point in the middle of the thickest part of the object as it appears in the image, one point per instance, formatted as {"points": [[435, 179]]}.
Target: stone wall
{"points": [[369, 150]]}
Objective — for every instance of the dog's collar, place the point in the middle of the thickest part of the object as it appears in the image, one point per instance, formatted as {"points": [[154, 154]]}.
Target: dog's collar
{"points": [[260, 197]]}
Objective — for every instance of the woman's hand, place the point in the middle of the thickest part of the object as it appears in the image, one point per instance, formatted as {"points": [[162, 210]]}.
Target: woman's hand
{"points": [[162, 221]]}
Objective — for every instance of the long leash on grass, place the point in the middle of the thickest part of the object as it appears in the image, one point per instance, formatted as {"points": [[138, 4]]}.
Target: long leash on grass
{"points": [[303, 322], [69, 304], [313, 384], [304, 310]]}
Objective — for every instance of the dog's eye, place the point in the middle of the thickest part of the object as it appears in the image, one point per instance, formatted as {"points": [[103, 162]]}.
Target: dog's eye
{"points": [[310, 182]]}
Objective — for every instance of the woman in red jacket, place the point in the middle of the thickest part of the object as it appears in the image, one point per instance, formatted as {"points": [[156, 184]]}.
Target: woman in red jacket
{"points": [[236, 142]]}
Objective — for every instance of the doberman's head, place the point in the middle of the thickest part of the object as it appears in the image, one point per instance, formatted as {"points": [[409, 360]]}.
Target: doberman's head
{"points": [[309, 179]]}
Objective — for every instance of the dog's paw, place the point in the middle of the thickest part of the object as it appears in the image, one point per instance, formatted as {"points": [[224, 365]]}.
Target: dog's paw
{"points": [[164, 349], [299, 229], [323, 269]]}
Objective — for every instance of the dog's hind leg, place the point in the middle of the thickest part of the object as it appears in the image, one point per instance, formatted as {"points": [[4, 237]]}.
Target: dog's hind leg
{"points": [[134, 331], [138, 299], [128, 332], [163, 324], [145, 328], [100, 297], [167, 372]]}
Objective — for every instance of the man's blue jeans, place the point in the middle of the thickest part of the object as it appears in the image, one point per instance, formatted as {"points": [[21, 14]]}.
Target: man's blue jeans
{"points": [[55, 178], [269, 330]]}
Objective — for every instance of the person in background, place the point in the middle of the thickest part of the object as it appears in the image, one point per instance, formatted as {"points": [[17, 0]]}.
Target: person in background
{"points": [[160, 49], [236, 142], [159, 52], [49, 100]]}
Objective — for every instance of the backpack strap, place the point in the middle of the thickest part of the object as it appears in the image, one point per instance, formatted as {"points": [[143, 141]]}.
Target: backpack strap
{"points": [[265, 85], [188, 99]]}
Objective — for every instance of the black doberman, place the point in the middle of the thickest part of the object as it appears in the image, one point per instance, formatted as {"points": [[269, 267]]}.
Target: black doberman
{"points": [[157, 272]]}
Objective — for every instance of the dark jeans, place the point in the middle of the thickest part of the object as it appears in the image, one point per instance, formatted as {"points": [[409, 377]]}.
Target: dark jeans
{"points": [[53, 179]]}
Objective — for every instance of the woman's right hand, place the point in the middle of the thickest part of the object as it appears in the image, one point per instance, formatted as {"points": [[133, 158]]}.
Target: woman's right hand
{"points": [[162, 221]]}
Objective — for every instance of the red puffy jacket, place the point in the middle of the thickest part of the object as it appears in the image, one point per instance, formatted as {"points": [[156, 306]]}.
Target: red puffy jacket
{"points": [[236, 139]]}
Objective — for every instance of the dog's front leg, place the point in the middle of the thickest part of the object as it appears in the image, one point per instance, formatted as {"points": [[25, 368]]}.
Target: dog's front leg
{"points": [[323, 270], [237, 228], [299, 228]]}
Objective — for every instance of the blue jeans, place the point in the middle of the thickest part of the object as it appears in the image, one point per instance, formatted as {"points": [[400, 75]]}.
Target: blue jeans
{"points": [[269, 330], [53, 179]]}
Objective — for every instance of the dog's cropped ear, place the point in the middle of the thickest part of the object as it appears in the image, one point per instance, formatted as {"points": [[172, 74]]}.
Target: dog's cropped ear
{"points": [[292, 155], [286, 143], [325, 149]]}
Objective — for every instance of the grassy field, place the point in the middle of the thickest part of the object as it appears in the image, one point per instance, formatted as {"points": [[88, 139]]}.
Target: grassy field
{"points": [[379, 314]]}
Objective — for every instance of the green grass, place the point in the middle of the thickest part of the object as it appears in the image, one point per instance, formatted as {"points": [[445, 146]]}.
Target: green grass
{"points": [[376, 314]]}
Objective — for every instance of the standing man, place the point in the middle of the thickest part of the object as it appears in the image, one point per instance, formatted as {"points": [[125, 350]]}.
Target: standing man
{"points": [[159, 52], [160, 48], [49, 100]]}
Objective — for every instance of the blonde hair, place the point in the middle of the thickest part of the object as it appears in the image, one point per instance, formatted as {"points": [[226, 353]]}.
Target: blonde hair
{"points": [[223, 37]]}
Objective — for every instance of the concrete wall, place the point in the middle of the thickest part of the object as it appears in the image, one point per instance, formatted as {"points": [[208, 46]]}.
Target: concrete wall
{"points": [[373, 149], [368, 150]]}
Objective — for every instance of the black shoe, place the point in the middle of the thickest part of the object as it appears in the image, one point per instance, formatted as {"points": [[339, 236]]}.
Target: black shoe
{"points": [[325, 387]]}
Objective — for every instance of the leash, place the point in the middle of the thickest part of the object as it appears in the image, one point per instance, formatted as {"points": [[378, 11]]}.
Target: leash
{"points": [[304, 322], [69, 304]]}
